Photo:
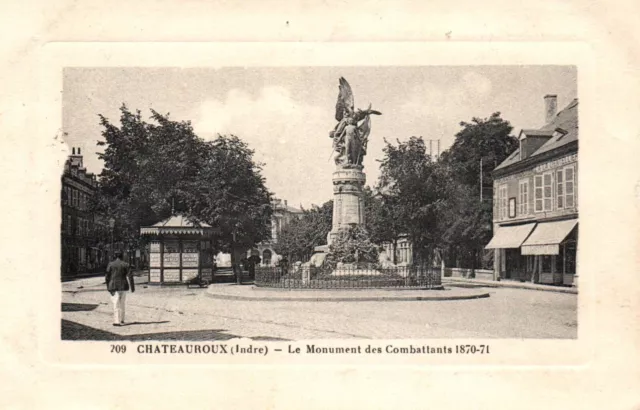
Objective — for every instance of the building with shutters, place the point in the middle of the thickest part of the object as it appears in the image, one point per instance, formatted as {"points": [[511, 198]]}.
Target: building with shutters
{"points": [[535, 213], [84, 236]]}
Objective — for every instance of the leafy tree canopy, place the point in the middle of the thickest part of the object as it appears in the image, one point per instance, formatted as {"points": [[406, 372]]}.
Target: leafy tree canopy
{"points": [[153, 167], [467, 214], [488, 139], [300, 236], [414, 186]]}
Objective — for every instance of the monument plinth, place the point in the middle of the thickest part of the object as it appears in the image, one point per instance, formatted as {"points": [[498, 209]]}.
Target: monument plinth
{"points": [[348, 201]]}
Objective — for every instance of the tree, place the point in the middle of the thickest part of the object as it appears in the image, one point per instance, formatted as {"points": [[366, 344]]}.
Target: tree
{"points": [[154, 168], [415, 186], [485, 139], [382, 218], [229, 193], [299, 237], [468, 210], [147, 168]]}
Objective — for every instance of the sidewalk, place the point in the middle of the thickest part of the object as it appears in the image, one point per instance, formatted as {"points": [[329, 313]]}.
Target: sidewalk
{"points": [[81, 276], [253, 293], [508, 284]]}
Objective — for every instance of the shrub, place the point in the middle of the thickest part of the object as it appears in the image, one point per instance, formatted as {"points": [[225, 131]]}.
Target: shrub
{"points": [[352, 246]]}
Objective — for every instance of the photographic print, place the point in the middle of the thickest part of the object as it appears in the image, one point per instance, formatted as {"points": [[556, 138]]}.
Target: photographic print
{"points": [[319, 202]]}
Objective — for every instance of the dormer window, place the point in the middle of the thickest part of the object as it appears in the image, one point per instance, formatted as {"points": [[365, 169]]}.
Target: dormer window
{"points": [[531, 140], [558, 133]]}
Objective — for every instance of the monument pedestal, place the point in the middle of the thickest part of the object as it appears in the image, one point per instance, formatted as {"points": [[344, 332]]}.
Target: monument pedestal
{"points": [[348, 200]]}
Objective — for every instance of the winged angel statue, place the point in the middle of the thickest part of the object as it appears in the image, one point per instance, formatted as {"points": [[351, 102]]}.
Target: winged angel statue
{"points": [[351, 134]]}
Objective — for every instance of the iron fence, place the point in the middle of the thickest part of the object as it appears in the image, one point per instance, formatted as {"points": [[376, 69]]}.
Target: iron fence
{"points": [[310, 277]]}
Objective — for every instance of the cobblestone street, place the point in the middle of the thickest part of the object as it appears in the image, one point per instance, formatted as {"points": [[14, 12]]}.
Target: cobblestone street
{"points": [[178, 313]]}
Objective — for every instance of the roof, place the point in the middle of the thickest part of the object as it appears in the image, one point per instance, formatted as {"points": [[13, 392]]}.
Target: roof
{"points": [[178, 221], [175, 224], [293, 210], [536, 133], [566, 120], [286, 208], [280, 205]]}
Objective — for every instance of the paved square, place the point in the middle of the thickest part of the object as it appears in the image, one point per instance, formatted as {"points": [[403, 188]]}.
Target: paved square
{"points": [[178, 313]]}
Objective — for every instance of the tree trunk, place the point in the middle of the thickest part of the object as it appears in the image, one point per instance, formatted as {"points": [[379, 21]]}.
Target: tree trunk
{"points": [[235, 265], [474, 259], [395, 247]]}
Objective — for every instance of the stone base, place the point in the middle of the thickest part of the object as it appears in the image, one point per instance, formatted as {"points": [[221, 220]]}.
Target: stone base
{"points": [[348, 201]]}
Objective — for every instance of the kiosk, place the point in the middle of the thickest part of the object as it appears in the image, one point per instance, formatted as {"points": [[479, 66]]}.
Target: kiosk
{"points": [[179, 251]]}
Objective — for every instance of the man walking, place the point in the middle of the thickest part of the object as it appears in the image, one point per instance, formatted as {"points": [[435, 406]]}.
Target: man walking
{"points": [[118, 278]]}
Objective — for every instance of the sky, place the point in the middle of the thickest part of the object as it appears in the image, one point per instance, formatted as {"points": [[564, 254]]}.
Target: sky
{"points": [[285, 113]]}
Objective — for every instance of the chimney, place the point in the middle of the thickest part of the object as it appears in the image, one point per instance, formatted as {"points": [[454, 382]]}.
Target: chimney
{"points": [[285, 202], [76, 157], [550, 107]]}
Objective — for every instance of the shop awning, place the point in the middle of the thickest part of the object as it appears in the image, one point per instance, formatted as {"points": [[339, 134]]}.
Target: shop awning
{"points": [[547, 237], [510, 236]]}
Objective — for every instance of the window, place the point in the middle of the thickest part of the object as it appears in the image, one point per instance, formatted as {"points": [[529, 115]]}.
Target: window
{"points": [[502, 201], [560, 189], [548, 191], [565, 181], [524, 197], [569, 185], [537, 181]]}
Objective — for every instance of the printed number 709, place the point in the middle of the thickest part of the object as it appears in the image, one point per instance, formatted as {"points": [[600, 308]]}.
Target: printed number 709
{"points": [[118, 348]]}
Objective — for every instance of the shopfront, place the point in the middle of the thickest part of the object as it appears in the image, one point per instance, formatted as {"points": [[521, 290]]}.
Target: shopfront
{"points": [[507, 240], [552, 249]]}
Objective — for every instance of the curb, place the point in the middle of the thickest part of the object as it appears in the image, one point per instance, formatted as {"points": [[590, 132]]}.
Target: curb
{"points": [[516, 285], [64, 279], [349, 299]]}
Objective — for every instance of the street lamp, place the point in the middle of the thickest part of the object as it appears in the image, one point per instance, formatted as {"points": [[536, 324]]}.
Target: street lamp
{"points": [[112, 224]]}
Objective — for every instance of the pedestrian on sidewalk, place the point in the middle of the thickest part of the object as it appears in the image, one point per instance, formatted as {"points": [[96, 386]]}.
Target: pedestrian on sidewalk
{"points": [[119, 279]]}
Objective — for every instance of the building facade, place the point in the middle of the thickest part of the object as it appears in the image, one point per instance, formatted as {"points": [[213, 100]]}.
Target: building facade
{"points": [[403, 251], [83, 234], [535, 212], [283, 214]]}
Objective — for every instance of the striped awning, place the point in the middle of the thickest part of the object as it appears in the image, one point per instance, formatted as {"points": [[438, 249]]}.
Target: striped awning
{"points": [[176, 225], [547, 237], [510, 236]]}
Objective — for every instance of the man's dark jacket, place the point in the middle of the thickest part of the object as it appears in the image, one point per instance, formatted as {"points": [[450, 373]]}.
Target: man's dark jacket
{"points": [[117, 274]]}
